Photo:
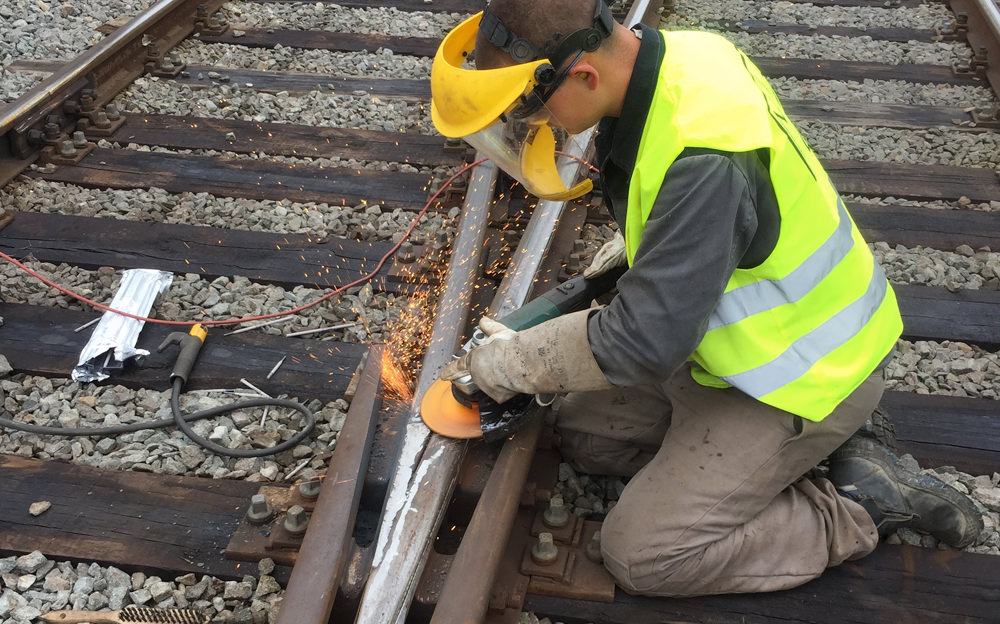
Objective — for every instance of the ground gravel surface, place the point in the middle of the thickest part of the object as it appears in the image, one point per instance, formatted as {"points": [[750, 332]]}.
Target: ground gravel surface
{"points": [[690, 14], [34, 29], [380, 64], [321, 16]]}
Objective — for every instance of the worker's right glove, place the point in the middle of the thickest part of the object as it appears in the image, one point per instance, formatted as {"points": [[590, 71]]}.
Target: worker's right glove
{"points": [[610, 255], [551, 357]]}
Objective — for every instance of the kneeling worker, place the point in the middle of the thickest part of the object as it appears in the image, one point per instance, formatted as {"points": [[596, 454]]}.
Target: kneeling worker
{"points": [[748, 338]]}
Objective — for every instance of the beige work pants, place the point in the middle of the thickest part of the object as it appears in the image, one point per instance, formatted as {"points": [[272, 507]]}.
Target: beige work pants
{"points": [[716, 503]]}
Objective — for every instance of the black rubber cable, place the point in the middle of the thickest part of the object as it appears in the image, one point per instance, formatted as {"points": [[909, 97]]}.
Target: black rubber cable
{"points": [[182, 420]]}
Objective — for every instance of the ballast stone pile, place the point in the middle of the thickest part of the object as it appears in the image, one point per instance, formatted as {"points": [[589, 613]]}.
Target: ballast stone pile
{"points": [[32, 585]]}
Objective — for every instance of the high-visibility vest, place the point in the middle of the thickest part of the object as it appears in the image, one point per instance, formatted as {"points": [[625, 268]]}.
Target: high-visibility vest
{"points": [[806, 327]]}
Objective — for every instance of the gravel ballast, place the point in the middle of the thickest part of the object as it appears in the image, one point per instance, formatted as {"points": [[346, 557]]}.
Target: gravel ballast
{"points": [[34, 29]]}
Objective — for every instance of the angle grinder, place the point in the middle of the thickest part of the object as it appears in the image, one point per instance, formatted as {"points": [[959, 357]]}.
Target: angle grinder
{"points": [[458, 409]]}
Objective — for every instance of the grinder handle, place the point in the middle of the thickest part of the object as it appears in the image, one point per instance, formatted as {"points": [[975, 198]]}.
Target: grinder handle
{"points": [[570, 296]]}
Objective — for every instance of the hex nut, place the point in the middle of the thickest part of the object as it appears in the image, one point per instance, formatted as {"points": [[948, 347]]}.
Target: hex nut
{"points": [[544, 551], [556, 515], [260, 511], [296, 520], [309, 490]]}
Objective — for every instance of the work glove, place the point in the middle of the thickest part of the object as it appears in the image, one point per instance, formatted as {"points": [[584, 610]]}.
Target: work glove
{"points": [[549, 358], [610, 255]]}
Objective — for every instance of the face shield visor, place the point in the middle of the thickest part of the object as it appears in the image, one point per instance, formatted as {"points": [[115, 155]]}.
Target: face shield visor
{"points": [[527, 150], [501, 113]]}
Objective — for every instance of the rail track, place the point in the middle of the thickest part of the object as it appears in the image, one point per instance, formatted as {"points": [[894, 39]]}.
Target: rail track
{"points": [[412, 527]]}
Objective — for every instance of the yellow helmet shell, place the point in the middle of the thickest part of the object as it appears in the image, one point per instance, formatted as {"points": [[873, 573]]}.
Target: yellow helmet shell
{"points": [[464, 101]]}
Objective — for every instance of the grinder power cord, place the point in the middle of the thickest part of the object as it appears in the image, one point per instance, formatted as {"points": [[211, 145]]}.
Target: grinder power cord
{"points": [[190, 345]]}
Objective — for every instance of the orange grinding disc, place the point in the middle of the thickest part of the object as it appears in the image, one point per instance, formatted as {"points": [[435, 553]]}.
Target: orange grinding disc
{"points": [[442, 413]]}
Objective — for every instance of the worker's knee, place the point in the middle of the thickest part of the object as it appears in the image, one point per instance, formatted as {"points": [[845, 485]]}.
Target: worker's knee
{"points": [[591, 454], [632, 557], [652, 563]]}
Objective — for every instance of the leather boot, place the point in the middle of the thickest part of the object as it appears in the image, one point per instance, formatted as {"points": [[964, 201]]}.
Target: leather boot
{"points": [[869, 473]]}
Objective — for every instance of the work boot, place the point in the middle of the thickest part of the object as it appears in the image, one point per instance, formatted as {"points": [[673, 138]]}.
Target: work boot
{"points": [[894, 496], [878, 426]]}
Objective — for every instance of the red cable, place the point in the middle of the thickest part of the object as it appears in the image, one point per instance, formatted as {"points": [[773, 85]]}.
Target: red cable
{"points": [[260, 317]]}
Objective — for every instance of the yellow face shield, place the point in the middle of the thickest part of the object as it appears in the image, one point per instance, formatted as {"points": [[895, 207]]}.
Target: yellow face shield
{"points": [[479, 106]]}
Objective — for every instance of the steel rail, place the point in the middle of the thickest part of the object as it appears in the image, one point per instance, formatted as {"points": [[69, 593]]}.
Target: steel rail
{"points": [[465, 594], [326, 546], [428, 463], [117, 60]]}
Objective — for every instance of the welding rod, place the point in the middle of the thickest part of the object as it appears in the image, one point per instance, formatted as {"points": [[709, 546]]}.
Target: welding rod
{"points": [[322, 329], [276, 367], [254, 388], [87, 324], [245, 329]]}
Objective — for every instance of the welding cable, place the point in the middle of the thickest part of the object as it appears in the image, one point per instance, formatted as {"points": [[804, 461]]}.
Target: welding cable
{"points": [[182, 420]]}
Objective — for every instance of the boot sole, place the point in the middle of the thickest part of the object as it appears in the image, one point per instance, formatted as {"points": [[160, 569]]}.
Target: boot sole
{"points": [[885, 461]]}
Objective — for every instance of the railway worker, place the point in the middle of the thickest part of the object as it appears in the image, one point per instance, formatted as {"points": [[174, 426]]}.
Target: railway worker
{"points": [[748, 338]]}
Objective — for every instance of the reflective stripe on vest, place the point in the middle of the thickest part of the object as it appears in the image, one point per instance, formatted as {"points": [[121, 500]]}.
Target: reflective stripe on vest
{"points": [[745, 301], [803, 329], [809, 349]]}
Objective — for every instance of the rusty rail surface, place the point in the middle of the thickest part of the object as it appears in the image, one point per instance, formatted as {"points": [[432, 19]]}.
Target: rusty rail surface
{"points": [[326, 546]]}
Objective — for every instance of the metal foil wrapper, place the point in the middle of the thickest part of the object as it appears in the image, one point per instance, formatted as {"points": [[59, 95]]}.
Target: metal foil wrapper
{"points": [[114, 338]]}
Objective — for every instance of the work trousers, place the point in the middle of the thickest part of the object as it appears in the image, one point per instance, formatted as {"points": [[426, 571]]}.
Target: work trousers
{"points": [[717, 502]]}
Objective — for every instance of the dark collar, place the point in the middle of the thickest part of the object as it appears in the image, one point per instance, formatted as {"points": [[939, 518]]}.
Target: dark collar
{"points": [[618, 138]]}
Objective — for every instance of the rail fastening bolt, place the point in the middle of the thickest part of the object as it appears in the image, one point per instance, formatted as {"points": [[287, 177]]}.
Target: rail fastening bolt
{"points": [[405, 253], [260, 510], [310, 489], [101, 120], [296, 520], [556, 515], [544, 551], [575, 264], [79, 139], [593, 548], [52, 130], [67, 149]]}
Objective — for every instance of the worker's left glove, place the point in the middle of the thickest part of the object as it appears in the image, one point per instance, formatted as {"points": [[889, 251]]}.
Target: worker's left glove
{"points": [[612, 254], [549, 358]]}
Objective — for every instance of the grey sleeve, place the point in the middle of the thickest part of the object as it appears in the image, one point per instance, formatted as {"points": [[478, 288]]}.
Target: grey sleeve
{"points": [[700, 226]]}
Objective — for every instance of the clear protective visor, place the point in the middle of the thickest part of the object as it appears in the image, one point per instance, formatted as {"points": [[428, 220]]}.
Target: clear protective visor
{"points": [[527, 149]]}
